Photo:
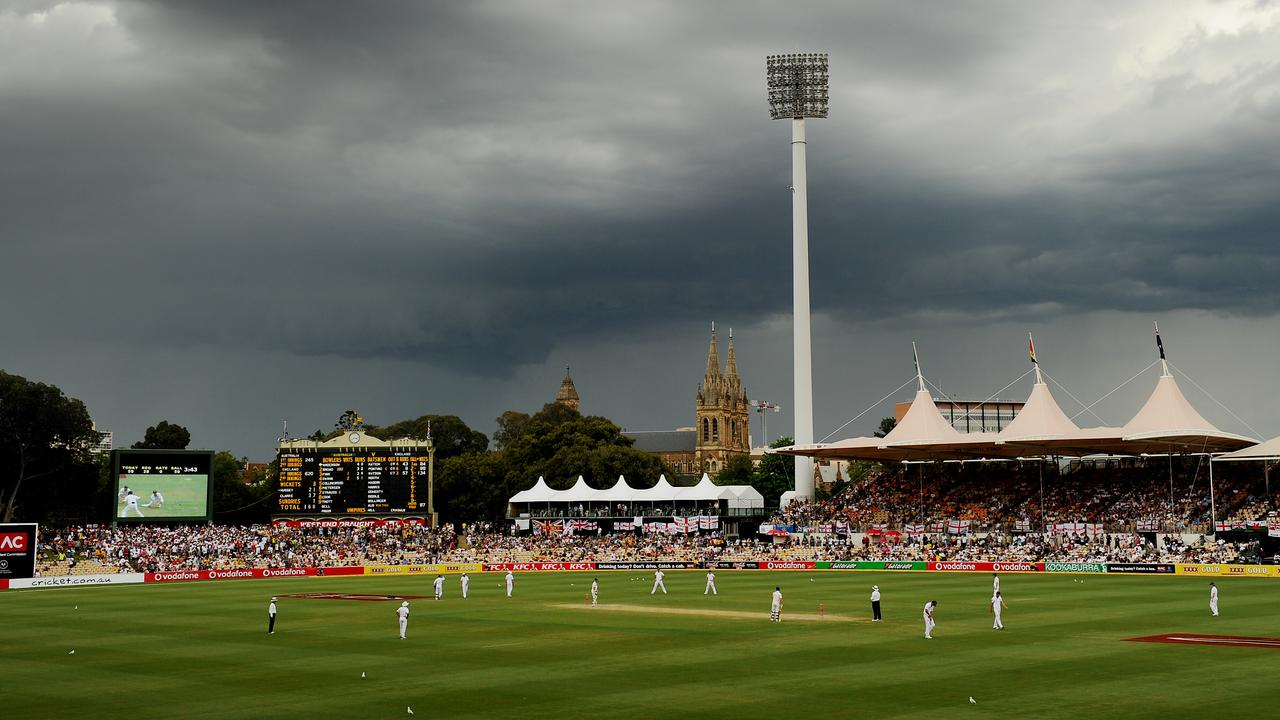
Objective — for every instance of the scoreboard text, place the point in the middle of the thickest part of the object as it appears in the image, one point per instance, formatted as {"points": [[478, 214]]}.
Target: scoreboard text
{"points": [[377, 480]]}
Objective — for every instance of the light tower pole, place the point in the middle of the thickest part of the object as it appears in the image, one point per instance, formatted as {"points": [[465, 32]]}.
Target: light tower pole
{"points": [[798, 89]]}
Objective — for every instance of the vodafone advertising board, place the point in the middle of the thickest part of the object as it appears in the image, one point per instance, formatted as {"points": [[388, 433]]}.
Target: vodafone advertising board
{"points": [[968, 566], [250, 573]]}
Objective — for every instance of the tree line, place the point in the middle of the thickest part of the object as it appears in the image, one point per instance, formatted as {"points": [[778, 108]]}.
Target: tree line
{"points": [[49, 472]]}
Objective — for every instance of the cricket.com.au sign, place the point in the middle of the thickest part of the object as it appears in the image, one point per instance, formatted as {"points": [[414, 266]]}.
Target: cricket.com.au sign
{"points": [[17, 551]]}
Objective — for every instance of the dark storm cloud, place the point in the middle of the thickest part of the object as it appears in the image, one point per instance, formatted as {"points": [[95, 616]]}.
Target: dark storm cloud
{"points": [[475, 185]]}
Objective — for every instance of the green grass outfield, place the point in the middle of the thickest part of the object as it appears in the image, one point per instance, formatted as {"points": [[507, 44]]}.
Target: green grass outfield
{"points": [[200, 650]]}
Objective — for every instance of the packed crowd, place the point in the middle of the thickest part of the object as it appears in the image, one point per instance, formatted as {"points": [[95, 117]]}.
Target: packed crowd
{"points": [[212, 547], [994, 497]]}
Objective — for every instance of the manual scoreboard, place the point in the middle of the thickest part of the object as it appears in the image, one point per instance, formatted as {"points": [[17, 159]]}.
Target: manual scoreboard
{"points": [[352, 481]]}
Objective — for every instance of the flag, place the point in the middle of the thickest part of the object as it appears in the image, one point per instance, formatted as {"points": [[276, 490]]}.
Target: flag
{"points": [[958, 527], [915, 358], [937, 527], [1031, 348], [1022, 526], [1273, 529], [1159, 345], [915, 529]]}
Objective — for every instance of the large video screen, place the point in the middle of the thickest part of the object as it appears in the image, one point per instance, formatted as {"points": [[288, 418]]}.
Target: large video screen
{"points": [[342, 481], [163, 485]]}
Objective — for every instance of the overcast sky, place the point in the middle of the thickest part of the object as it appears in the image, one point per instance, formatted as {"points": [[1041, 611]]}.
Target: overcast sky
{"points": [[229, 214]]}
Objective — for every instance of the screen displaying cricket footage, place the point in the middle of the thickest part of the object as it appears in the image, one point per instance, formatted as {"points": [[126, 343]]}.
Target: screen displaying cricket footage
{"points": [[338, 480], [163, 485]]}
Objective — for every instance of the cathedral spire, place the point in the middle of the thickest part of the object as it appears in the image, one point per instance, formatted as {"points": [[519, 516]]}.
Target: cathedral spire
{"points": [[568, 395], [731, 363], [713, 356]]}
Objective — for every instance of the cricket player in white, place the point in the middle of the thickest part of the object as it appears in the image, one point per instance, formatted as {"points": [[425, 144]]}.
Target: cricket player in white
{"points": [[511, 582], [595, 592], [131, 503], [157, 500], [124, 492], [775, 608], [995, 584], [711, 584], [439, 583], [403, 613], [466, 585], [929, 623], [657, 582], [271, 617], [1213, 599], [997, 604]]}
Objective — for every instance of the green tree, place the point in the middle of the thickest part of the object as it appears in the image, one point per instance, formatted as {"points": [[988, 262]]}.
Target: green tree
{"points": [[775, 475], [234, 500], [511, 425], [164, 436], [738, 471], [557, 443], [42, 433], [886, 426], [450, 435]]}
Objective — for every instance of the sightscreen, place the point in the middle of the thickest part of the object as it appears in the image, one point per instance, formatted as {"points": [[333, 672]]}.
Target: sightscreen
{"points": [[163, 485], [344, 481]]}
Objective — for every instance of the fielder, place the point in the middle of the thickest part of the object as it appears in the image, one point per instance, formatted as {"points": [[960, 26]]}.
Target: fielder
{"points": [[511, 582], [1213, 599], [711, 584], [403, 613], [775, 608], [271, 617], [124, 492], [929, 623], [997, 604], [595, 592], [995, 584], [466, 585], [657, 582], [439, 585], [131, 503], [156, 501]]}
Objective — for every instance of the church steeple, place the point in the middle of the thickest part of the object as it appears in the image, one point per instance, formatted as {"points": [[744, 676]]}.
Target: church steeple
{"points": [[731, 364], [568, 395], [713, 357]]}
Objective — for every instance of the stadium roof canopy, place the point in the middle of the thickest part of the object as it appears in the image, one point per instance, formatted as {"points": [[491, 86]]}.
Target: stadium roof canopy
{"points": [[1269, 450], [1166, 423]]}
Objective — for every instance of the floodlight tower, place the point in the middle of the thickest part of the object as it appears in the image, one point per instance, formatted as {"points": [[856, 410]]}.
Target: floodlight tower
{"points": [[797, 90]]}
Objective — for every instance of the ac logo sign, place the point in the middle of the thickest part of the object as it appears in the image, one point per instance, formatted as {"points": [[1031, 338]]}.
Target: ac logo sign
{"points": [[13, 541]]}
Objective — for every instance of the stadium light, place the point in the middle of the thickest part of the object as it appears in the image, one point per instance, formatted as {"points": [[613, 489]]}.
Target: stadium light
{"points": [[797, 86], [761, 406]]}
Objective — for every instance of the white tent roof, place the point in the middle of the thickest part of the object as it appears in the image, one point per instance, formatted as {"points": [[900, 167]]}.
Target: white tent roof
{"points": [[662, 490], [1168, 420], [1040, 417], [747, 496], [704, 490], [921, 425], [1269, 450], [540, 492], [580, 492], [620, 492]]}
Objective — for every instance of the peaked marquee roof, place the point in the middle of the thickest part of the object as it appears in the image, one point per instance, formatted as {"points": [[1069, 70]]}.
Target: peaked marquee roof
{"points": [[1167, 422]]}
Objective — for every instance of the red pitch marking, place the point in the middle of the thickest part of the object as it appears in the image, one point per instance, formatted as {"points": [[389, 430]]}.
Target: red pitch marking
{"points": [[349, 596], [1194, 639]]}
